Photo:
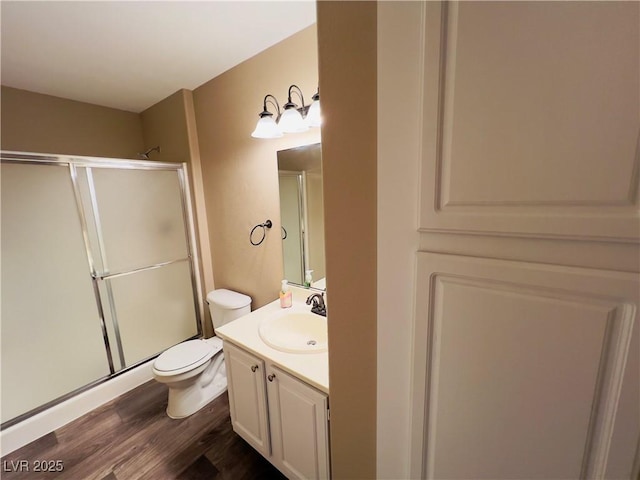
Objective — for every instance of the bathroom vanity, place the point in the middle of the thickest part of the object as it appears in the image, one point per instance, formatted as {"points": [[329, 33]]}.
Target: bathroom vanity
{"points": [[279, 400]]}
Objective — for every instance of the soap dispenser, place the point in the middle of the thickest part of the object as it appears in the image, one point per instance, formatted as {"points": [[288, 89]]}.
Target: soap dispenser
{"points": [[285, 295], [308, 278]]}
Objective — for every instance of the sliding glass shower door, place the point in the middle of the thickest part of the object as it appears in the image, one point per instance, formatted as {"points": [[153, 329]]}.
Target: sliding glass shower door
{"points": [[51, 338], [142, 258], [98, 272]]}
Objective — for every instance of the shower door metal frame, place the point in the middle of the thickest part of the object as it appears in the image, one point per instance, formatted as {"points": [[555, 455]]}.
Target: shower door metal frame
{"points": [[72, 162]]}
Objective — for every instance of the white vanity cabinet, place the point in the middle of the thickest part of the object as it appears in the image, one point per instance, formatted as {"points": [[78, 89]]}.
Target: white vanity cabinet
{"points": [[282, 417]]}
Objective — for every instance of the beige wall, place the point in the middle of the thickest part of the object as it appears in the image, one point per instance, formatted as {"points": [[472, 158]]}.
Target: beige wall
{"points": [[347, 64], [32, 122], [170, 124], [239, 172], [165, 124]]}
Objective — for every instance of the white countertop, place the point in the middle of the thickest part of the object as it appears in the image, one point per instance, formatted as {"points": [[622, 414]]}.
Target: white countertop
{"points": [[312, 368]]}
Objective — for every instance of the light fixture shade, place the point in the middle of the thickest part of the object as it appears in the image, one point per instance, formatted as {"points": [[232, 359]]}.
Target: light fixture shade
{"points": [[313, 117], [291, 121], [267, 128]]}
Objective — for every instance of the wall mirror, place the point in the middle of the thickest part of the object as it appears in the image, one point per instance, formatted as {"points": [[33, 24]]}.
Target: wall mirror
{"points": [[302, 214]]}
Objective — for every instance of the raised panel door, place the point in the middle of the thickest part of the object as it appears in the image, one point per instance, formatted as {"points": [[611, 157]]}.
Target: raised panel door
{"points": [[532, 369], [247, 397], [531, 114], [299, 426]]}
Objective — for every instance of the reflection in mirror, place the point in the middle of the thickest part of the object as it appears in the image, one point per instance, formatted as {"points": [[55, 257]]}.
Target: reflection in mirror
{"points": [[302, 214]]}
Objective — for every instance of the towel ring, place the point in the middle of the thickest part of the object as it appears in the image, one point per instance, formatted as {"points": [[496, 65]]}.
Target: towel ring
{"points": [[264, 226]]}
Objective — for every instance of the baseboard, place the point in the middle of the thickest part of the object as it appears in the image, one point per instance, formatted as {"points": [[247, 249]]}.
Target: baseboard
{"points": [[59, 415]]}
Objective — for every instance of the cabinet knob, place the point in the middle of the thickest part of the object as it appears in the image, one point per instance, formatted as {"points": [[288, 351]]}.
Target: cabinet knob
{"points": [[271, 377], [254, 368]]}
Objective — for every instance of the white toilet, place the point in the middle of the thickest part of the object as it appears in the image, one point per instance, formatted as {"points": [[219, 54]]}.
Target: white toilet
{"points": [[194, 370]]}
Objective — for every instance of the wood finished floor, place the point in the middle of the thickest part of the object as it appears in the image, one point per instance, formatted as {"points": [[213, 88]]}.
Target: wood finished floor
{"points": [[132, 438]]}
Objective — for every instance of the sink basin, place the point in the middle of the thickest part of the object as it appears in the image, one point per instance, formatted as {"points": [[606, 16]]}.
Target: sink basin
{"points": [[295, 331]]}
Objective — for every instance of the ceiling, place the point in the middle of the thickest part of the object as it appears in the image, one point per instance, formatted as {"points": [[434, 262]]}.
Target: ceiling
{"points": [[130, 55]]}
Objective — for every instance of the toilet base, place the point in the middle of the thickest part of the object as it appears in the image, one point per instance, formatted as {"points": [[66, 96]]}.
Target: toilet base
{"points": [[187, 401]]}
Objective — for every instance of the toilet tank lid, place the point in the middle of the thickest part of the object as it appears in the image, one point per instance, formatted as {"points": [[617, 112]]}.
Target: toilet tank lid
{"points": [[228, 299]]}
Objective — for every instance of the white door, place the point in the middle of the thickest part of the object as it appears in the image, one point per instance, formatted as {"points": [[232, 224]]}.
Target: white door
{"points": [[299, 427], [527, 335], [247, 397]]}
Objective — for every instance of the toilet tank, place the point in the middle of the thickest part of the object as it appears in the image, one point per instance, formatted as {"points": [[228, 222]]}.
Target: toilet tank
{"points": [[226, 305]]}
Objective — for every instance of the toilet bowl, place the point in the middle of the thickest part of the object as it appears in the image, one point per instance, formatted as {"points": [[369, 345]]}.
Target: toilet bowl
{"points": [[194, 370]]}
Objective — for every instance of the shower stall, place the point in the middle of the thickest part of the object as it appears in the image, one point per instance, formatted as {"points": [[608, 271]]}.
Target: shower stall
{"points": [[98, 273]]}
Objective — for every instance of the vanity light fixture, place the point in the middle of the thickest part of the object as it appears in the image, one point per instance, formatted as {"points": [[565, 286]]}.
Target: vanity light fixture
{"points": [[293, 119], [267, 126]]}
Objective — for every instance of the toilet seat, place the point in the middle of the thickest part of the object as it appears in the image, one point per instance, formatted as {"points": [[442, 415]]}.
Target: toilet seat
{"points": [[184, 357]]}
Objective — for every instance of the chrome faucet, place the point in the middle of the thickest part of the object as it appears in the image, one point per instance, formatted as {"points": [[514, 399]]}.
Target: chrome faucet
{"points": [[318, 306]]}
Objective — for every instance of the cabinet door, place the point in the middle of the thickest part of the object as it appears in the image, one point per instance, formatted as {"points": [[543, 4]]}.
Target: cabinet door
{"points": [[526, 357], [299, 426], [247, 397], [533, 369]]}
